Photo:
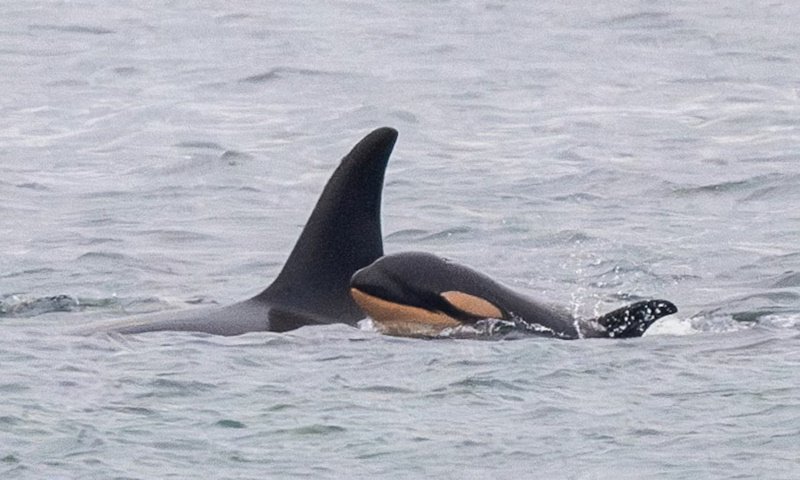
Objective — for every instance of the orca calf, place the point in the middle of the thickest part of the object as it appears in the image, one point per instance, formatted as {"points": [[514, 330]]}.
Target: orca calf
{"points": [[342, 235], [422, 295]]}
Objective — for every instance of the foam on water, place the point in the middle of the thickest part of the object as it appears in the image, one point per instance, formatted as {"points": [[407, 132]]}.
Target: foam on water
{"points": [[673, 326]]}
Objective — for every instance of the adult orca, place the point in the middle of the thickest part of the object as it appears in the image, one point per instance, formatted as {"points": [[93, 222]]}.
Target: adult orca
{"points": [[420, 294], [342, 235]]}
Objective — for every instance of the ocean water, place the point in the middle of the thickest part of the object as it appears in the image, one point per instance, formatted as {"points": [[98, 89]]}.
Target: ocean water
{"points": [[159, 155]]}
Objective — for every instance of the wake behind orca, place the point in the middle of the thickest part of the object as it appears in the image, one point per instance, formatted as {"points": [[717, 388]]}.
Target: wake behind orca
{"points": [[342, 235], [422, 295]]}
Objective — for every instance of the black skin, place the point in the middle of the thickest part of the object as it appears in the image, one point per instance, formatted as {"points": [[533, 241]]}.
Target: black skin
{"points": [[417, 279], [342, 235]]}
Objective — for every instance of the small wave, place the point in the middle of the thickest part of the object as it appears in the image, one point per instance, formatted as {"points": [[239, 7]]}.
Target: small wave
{"points": [[314, 429], [22, 273], [200, 144], [116, 259], [204, 160], [105, 194], [647, 20], [447, 233], [232, 157], [282, 72], [100, 255], [81, 29], [783, 189], [169, 388], [580, 197], [407, 234], [126, 71], [232, 17], [785, 321], [787, 280], [33, 186], [384, 389], [15, 306], [404, 116], [763, 309], [24, 306], [480, 383], [167, 235], [230, 424], [715, 188], [565, 237], [703, 80], [758, 182], [68, 83], [774, 298], [778, 157]]}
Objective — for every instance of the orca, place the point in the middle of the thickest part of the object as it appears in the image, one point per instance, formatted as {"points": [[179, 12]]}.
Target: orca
{"points": [[342, 235], [422, 295]]}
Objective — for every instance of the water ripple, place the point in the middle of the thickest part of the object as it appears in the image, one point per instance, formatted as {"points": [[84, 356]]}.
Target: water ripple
{"points": [[80, 29], [585, 155]]}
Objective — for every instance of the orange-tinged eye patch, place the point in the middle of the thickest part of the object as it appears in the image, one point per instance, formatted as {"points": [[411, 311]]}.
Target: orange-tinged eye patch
{"points": [[472, 305], [402, 320]]}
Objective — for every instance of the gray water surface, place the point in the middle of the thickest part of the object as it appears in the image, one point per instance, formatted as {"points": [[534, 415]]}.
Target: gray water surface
{"points": [[159, 156]]}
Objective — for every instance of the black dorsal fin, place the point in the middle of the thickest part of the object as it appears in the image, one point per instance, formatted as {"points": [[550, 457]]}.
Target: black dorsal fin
{"points": [[635, 319], [342, 235]]}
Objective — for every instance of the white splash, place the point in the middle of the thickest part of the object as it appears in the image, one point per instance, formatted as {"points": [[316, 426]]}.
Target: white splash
{"points": [[367, 325], [782, 320], [672, 326]]}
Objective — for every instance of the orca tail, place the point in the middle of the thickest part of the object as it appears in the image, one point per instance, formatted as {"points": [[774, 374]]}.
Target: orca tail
{"points": [[342, 235], [633, 320]]}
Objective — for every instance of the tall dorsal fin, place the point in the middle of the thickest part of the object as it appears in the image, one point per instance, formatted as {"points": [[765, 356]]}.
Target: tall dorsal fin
{"points": [[342, 235], [633, 320]]}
